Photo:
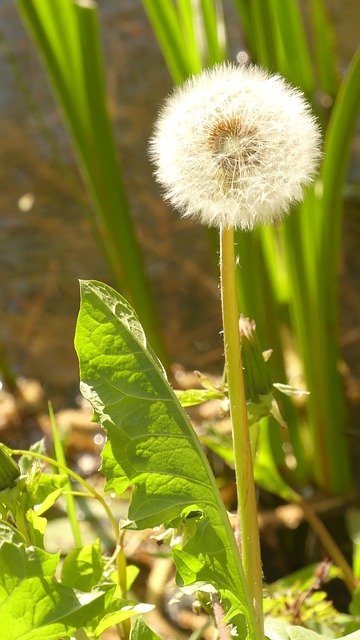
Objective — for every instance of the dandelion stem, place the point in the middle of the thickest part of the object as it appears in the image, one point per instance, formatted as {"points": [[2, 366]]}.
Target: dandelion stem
{"points": [[247, 511]]}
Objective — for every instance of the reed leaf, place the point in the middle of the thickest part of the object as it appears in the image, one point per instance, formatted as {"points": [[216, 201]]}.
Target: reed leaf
{"points": [[67, 37]]}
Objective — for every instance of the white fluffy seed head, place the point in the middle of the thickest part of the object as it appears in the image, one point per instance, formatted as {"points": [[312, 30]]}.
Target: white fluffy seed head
{"points": [[235, 147]]}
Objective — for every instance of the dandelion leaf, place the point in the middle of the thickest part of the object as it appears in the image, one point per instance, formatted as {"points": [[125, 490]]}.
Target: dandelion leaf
{"points": [[140, 631], [276, 629], [33, 606], [152, 447]]}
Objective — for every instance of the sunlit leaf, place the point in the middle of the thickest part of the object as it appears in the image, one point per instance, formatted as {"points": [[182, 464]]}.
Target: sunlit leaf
{"points": [[33, 606], [123, 613], [140, 631], [82, 568], [191, 397], [152, 446]]}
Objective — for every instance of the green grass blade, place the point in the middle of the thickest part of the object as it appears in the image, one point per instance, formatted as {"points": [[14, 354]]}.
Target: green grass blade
{"points": [[214, 26], [265, 34], [70, 500], [292, 50], [337, 146], [164, 20], [67, 37], [191, 33], [246, 19], [281, 44], [327, 385], [152, 445], [324, 46]]}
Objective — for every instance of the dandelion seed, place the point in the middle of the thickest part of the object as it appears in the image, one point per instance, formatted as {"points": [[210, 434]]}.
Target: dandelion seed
{"points": [[235, 147]]}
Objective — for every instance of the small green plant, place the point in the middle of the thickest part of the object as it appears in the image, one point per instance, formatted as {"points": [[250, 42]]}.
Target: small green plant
{"points": [[153, 448], [41, 595]]}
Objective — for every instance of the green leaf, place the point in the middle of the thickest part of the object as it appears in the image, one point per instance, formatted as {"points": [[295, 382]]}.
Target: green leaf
{"points": [[324, 45], [50, 500], [277, 630], [52, 610], [353, 525], [166, 26], [355, 603], [304, 578], [140, 631], [214, 27], [9, 534], [37, 528], [42, 489], [152, 445], [288, 390], [265, 469], [132, 572], [26, 461], [9, 500], [124, 613], [82, 568], [9, 470], [191, 397], [187, 565]]}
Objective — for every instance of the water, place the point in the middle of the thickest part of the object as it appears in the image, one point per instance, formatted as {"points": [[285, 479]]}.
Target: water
{"points": [[45, 249]]}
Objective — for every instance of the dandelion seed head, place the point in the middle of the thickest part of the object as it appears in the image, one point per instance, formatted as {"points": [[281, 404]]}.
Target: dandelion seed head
{"points": [[235, 147]]}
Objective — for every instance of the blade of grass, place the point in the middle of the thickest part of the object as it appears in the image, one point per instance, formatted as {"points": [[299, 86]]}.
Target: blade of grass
{"points": [[260, 299], [323, 39], [67, 37], [70, 500], [301, 243], [319, 353], [246, 18], [50, 138], [214, 25], [337, 147], [184, 51], [292, 50], [336, 156], [192, 34], [264, 40], [302, 309], [165, 24]]}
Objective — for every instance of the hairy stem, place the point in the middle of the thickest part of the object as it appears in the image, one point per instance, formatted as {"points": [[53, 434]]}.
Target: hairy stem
{"points": [[246, 497]]}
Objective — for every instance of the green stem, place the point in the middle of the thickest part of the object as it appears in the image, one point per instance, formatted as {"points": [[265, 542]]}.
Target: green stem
{"points": [[70, 500], [246, 497]]}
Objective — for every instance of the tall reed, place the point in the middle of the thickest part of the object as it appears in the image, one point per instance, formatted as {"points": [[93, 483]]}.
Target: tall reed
{"points": [[67, 37]]}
